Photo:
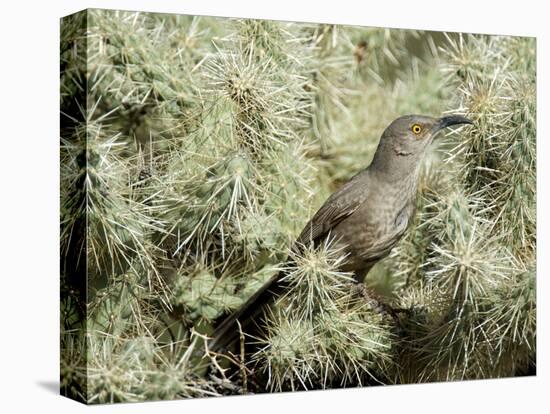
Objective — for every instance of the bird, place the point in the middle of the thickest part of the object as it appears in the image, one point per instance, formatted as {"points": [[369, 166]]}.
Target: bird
{"points": [[366, 217]]}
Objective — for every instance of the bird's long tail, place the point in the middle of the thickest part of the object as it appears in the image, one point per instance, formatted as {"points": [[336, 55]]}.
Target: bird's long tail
{"points": [[227, 332]]}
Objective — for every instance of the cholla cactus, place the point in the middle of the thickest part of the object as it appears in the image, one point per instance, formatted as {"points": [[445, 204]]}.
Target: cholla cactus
{"points": [[195, 149], [323, 335]]}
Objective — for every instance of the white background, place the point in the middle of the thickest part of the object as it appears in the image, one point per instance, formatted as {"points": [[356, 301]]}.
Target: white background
{"points": [[29, 206]]}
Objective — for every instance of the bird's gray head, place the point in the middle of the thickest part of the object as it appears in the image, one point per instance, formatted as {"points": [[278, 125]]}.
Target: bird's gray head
{"points": [[405, 140]]}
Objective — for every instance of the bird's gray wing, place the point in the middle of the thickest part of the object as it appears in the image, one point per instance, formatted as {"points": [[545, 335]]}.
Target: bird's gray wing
{"points": [[341, 204]]}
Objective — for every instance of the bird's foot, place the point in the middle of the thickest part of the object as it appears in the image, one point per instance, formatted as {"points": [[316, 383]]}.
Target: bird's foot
{"points": [[369, 297], [376, 303]]}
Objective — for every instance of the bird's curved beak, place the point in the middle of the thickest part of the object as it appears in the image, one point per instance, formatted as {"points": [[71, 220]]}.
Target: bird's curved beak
{"points": [[450, 120]]}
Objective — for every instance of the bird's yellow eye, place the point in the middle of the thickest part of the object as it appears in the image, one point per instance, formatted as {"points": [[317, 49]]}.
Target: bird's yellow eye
{"points": [[417, 129]]}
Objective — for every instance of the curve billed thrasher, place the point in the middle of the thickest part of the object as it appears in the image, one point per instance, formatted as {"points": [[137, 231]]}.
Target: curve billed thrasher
{"points": [[366, 217]]}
